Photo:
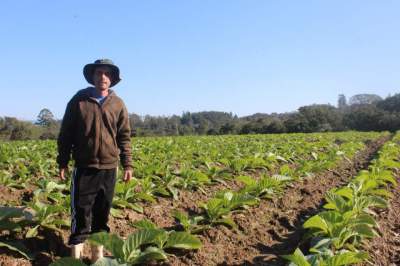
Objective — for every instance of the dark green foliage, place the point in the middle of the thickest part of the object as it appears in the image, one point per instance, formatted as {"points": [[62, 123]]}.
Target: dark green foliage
{"points": [[363, 112]]}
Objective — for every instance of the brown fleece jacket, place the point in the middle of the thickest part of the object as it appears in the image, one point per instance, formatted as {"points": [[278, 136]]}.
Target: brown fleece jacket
{"points": [[96, 134]]}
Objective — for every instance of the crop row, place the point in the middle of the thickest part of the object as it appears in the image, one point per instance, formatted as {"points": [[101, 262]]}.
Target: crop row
{"points": [[336, 235]]}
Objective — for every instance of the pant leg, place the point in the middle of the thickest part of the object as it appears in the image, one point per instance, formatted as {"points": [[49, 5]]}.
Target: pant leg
{"points": [[84, 189], [103, 202]]}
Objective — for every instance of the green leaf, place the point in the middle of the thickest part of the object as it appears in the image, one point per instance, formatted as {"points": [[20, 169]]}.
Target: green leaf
{"points": [[68, 261], [146, 197], [365, 218], [376, 201], [297, 258], [345, 192], [237, 200], [320, 244], [53, 185], [364, 230], [316, 222], [11, 212], [183, 240], [18, 247], [107, 262], [247, 180], [347, 258], [140, 237], [9, 225], [32, 232], [381, 192], [111, 242], [226, 221], [182, 217], [116, 213], [144, 224], [282, 178], [335, 202], [151, 254], [136, 207]]}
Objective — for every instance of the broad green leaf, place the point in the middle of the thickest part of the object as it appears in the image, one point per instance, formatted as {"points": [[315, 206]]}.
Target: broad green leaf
{"points": [[182, 240], [111, 242], [181, 216], [32, 232], [347, 258], [365, 219], [9, 225], [376, 201], [136, 207], [116, 213], [247, 180], [345, 192], [381, 192], [238, 200], [107, 262], [319, 244], [226, 221], [316, 222], [282, 178], [11, 212], [151, 254], [297, 258], [364, 230], [144, 224], [68, 261], [18, 247], [140, 237], [53, 185]]}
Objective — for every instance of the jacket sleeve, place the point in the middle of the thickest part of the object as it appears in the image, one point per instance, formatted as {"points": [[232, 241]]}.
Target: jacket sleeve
{"points": [[124, 139], [65, 137]]}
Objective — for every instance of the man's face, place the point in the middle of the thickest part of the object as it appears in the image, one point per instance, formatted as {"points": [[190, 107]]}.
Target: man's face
{"points": [[102, 77]]}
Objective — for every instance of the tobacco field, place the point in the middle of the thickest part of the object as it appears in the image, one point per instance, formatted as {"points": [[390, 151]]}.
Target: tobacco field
{"points": [[279, 199]]}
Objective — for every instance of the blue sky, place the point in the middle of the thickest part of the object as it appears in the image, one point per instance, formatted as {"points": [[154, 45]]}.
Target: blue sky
{"points": [[235, 56]]}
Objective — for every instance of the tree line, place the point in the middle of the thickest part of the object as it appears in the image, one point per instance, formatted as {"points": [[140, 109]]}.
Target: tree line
{"points": [[362, 112]]}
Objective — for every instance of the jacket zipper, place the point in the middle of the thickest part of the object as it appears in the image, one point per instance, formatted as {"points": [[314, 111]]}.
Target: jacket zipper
{"points": [[100, 108], [101, 132], [101, 126]]}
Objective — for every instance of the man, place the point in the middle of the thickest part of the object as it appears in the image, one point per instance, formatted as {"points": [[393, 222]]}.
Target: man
{"points": [[95, 128]]}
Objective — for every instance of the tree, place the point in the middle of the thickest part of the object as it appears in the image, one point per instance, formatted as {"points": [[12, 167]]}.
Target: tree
{"points": [[227, 128], [45, 118], [21, 131], [363, 117], [274, 126], [320, 118], [391, 103], [364, 99]]}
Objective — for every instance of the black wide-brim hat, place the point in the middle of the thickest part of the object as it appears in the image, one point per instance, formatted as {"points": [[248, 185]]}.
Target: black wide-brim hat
{"points": [[89, 69]]}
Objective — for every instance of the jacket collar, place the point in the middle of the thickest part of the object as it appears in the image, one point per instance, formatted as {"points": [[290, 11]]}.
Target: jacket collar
{"points": [[87, 93]]}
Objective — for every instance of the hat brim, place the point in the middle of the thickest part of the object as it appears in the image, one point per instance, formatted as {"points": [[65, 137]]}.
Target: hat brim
{"points": [[88, 72]]}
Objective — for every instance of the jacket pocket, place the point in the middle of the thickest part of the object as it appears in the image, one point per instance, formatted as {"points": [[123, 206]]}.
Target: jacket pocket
{"points": [[109, 149], [84, 153]]}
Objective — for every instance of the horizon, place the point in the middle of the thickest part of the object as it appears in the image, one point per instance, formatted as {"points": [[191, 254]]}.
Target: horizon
{"points": [[233, 114], [230, 56]]}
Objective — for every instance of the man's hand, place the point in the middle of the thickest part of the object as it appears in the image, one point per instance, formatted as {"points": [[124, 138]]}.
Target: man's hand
{"points": [[128, 175], [62, 173]]}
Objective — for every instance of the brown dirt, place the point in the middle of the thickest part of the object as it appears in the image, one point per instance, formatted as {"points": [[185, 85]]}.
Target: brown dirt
{"points": [[385, 250], [264, 232]]}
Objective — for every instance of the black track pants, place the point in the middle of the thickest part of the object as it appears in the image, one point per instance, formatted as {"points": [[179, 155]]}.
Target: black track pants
{"points": [[92, 191]]}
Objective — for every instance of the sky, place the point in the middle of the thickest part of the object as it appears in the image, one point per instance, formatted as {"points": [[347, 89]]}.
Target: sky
{"points": [[239, 56]]}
